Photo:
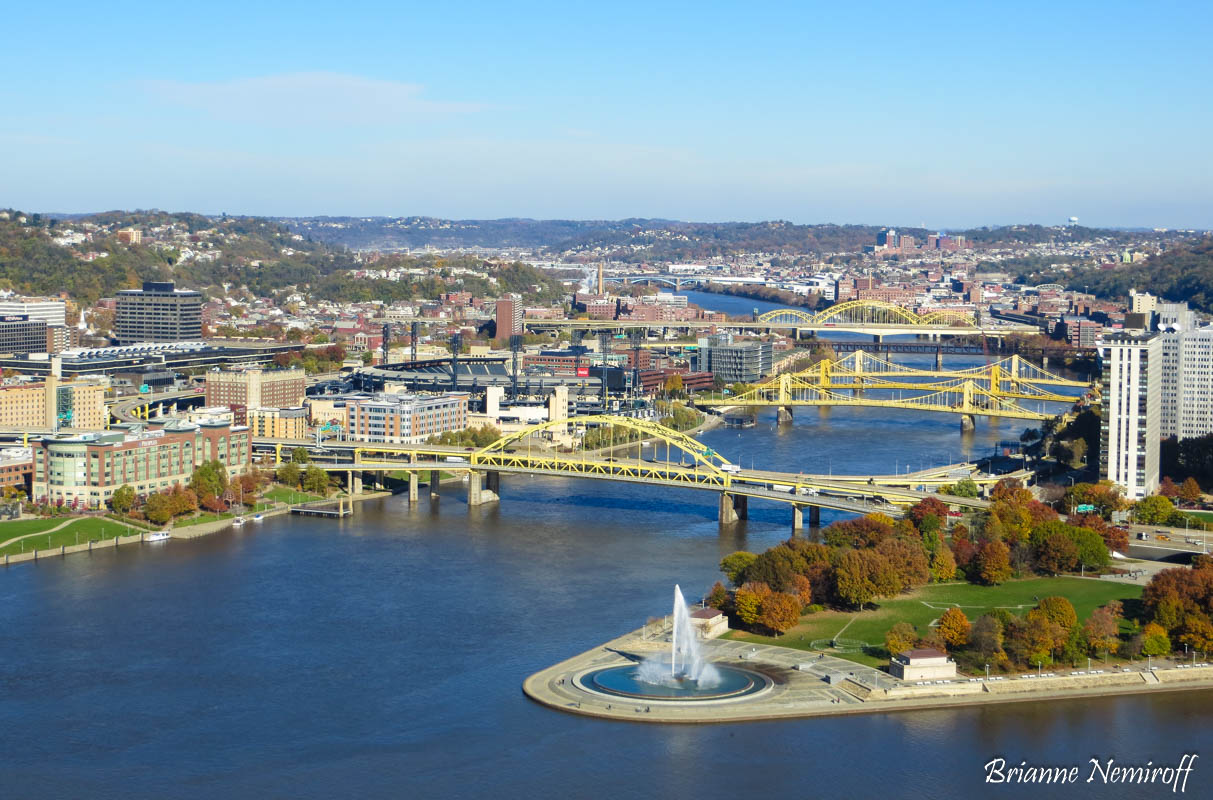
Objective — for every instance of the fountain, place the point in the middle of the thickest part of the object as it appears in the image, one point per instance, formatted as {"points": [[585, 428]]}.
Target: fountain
{"points": [[685, 675]]}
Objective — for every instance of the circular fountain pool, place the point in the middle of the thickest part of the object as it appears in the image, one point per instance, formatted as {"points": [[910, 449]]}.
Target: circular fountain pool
{"points": [[626, 681]]}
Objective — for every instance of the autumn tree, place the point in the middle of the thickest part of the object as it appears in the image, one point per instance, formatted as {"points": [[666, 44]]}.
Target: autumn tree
{"points": [[158, 509], [1167, 487], [985, 636], [1101, 631], [943, 565], [316, 480], [862, 575], [993, 562], [1155, 641], [748, 599], [802, 588], [735, 564], [209, 478], [1056, 553], [900, 638], [123, 498], [1153, 510], [954, 627], [718, 597], [1190, 492], [780, 611], [1197, 633]]}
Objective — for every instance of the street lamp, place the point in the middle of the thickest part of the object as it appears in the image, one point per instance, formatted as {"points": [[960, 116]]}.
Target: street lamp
{"points": [[987, 673]]}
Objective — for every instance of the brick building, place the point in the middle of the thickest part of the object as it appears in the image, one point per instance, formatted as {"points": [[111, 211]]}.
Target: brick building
{"points": [[256, 388]]}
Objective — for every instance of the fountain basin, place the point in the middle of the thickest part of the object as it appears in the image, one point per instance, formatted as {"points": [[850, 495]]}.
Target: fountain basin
{"points": [[625, 681]]}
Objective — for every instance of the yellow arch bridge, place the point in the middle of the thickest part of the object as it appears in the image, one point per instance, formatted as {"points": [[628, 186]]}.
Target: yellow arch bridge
{"points": [[871, 312], [991, 391], [685, 463]]}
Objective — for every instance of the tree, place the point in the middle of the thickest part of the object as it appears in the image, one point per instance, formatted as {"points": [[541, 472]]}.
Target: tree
{"points": [[289, 474], [943, 565], [747, 600], [909, 562], [1197, 633], [1057, 553], [1059, 610], [985, 636], [1167, 487], [718, 597], [802, 588], [158, 509], [1101, 631], [900, 638], [954, 627], [965, 487], [994, 562], [861, 575], [300, 455], [1153, 510], [735, 564], [1190, 492], [123, 498], [1155, 641], [316, 480], [673, 385], [210, 477], [1031, 640], [780, 611]]}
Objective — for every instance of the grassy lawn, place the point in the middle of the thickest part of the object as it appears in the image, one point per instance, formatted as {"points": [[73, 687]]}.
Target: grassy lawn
{"points": [[923, 606], [205, 516], [20, 527], [282, 494], [1207, 516], [77, 532]]}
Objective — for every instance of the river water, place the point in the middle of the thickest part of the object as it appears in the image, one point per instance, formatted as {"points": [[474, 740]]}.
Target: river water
{"points": [[382, 655]]}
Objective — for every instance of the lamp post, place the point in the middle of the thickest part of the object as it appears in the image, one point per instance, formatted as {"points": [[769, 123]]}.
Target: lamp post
{"points": [[987, 673]]}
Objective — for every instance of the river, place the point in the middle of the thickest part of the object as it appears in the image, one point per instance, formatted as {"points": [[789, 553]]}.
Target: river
{"points": [[382, 655]]}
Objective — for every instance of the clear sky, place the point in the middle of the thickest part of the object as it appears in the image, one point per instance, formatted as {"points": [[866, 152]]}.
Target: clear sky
{"points": [[945, 114]]}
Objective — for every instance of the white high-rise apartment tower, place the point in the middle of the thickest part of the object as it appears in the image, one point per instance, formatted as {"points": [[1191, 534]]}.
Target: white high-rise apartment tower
{"points": [[1131, 429]]}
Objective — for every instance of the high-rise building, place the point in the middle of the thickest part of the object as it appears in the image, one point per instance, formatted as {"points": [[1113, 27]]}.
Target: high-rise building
{"points": [[50, 405], [509, 317], [1131, 426], [1187, 383], [256, 388], [1143, 303], [887, 238], [159, 312], [20, 335]]}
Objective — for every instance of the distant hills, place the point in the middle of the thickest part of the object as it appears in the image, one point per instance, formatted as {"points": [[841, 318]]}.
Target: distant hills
{"points": [[651, 239]]}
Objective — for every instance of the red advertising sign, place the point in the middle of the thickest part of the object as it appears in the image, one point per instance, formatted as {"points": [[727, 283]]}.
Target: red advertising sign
{"points": [[583, 372]]}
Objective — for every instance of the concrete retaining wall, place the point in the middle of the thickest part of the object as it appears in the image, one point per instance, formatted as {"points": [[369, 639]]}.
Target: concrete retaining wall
{"points": [[67, 549]]}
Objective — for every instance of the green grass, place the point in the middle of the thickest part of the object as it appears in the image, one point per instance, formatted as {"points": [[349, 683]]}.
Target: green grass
{"points": [[78, 532], [871, 625], [282, 494], [205, 516], [1205, 515], [20, 527]]}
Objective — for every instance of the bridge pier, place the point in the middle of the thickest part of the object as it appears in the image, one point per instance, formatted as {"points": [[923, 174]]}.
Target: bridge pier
{"points": [[815, 516], [493, 482], [797, 520], [967, 422], [414, 484], [353, 482], [732, 508], [877, 337], [939, 359], [435, 479], [477, 494], [785, 415]]}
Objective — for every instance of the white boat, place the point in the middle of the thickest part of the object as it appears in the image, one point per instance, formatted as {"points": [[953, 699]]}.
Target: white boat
{"points": [[157, 536], [238, 521], [257, 518]]}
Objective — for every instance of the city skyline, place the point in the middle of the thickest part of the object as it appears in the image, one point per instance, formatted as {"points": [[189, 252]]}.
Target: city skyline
{"points": [[960, 117]]}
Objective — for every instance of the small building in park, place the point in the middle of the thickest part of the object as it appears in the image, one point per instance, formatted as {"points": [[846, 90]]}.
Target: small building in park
{"points": [[710, 622], [926, 664]]}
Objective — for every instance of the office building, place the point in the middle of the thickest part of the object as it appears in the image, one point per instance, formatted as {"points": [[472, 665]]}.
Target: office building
{"points": [[1187, 383], [746, 362], [1142, 303], [159, 312], [1131, 425], [50, 310], [403, 418], [84, 470], [256, 388], [20, 335], [509, 317]]}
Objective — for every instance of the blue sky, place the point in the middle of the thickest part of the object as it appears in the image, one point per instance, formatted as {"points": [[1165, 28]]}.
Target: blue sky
{"points": [[947, 114]]}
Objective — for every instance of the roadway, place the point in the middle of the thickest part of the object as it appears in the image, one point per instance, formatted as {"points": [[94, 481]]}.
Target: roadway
{"points": [[867, 328]]}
